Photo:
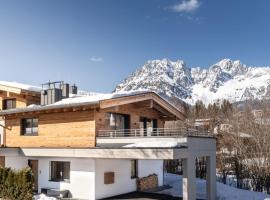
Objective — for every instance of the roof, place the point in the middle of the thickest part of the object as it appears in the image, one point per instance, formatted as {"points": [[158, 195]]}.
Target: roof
{"points": [[85, 100], [20, 86]]}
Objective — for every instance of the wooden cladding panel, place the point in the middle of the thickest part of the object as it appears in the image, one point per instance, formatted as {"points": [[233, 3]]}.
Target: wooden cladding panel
{"points": [[69, 129]]}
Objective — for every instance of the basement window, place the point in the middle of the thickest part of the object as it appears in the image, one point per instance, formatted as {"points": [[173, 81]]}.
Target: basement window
{"points": [[9, 104], [59, 171], [134, 169], [29, 126]]}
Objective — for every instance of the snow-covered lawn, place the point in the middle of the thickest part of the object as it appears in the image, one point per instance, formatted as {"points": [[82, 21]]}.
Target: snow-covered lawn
{"points": [[224, 192], [43, 197]]}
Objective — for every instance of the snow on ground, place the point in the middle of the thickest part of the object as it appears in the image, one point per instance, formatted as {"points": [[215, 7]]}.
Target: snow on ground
{"points": [[224, 192], [43, 197]]}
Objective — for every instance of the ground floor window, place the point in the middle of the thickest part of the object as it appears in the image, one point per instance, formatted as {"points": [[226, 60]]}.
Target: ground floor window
{"points": [[59, 171], [134, 168]]}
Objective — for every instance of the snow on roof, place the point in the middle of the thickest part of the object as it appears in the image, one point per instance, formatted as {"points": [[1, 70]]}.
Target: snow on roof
{"points": [[21, 86], [78, 100]]}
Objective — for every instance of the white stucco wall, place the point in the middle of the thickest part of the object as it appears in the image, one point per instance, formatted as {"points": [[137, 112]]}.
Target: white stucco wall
{"points": [[87, 175], [147, 167], [122, 181], [82, 177], [122, 169], [16, 162]]}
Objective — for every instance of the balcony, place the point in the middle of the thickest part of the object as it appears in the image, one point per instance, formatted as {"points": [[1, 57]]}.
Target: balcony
{"points": [[118, 138], [157, 132]]}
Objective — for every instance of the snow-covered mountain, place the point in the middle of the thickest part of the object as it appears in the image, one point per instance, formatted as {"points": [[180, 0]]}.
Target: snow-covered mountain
{"points": [[226, 79]]}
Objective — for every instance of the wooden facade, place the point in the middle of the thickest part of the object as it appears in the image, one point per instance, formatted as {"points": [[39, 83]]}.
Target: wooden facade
{"points": [[66, 129], [78, 126]]}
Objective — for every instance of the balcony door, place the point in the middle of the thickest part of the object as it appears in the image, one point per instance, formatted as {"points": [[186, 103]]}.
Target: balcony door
{"points": [[120, 123], [148, 126]]}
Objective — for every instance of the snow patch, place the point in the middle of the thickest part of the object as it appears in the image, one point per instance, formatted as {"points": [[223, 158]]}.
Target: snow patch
{"points": [[43, 197], [21, 86], [224, 192]]}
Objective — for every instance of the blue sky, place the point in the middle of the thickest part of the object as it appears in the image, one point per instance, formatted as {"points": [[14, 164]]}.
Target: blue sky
{"points": [[96, 44]]}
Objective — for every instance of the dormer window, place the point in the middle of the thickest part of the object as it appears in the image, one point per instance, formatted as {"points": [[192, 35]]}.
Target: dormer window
{"points": [[9, 104], [29, 126]]}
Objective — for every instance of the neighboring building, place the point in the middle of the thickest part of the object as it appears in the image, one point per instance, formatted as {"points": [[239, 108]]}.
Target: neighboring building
{"points": [[97, 146], [16, 95]]}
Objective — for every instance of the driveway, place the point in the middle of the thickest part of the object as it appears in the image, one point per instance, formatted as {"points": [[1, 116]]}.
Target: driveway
{"points": [[143, 196]]}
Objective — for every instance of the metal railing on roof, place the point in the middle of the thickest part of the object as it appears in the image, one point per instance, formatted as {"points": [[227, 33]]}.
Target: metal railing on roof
{"points": [[153, 132]]}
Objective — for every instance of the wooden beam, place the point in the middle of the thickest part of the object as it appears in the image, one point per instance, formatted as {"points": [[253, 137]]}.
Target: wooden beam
{"points": [[162, 110], [180, 115], [124, 100]]}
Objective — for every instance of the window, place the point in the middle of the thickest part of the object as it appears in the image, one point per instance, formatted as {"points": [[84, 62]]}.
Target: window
{"points": [[59, 171], [9, 104], [116, 121], [29, 126], [134, 169]]}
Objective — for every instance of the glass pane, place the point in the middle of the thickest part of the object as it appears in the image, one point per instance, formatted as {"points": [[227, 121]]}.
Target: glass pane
{"points": [[53, 170], [35, 130], [112, 120], [28, 123], [35, 122], [28, 130], [133, 168], [66, 170]]}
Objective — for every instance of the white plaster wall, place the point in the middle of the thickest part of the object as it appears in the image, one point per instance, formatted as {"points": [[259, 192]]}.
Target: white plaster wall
{"points": [[82, 177], [147, 167], [16, 162], [122, 181]]}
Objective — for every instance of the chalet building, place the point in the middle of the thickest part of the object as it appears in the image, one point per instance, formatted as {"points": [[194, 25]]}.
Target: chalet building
{"points": [[97, 146]]}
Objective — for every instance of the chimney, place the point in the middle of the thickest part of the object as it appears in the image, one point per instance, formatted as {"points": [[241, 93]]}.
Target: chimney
{"points": [[56, 91]]}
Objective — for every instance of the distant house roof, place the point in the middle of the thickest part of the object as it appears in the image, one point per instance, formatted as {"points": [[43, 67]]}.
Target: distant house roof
{"points": [[102, 100], [19, 86]]}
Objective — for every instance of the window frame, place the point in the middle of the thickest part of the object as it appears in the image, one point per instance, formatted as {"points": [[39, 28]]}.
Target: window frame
{"points": [[4, 103], [23, 126], [135, 175], [62, 179]]}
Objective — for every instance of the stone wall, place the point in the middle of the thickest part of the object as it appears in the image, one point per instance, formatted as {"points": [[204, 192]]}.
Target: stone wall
{"points": [[147, 183]]}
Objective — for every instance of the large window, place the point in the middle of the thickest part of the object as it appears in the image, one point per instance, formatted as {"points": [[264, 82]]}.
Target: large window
{"points": [[117, 121], [59, 171], [134, 169], [9, 104], [29, 126]]}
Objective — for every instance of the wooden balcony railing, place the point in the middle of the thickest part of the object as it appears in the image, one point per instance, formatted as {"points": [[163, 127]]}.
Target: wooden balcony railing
{"points": [[150, 132]]}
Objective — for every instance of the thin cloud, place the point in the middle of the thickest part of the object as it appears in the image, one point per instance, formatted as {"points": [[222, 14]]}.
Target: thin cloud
{"points": [[96, 59], [186, 6]]}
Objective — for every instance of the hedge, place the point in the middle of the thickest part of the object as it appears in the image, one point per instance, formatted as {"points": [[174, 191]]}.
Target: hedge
{"points": [[16, 184]]}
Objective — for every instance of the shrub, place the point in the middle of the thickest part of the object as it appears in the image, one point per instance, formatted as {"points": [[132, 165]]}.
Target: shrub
{"points": [[16, 184]]}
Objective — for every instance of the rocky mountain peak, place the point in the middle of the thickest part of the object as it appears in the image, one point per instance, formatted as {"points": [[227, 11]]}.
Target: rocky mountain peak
{"points": [[226, 79]]}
